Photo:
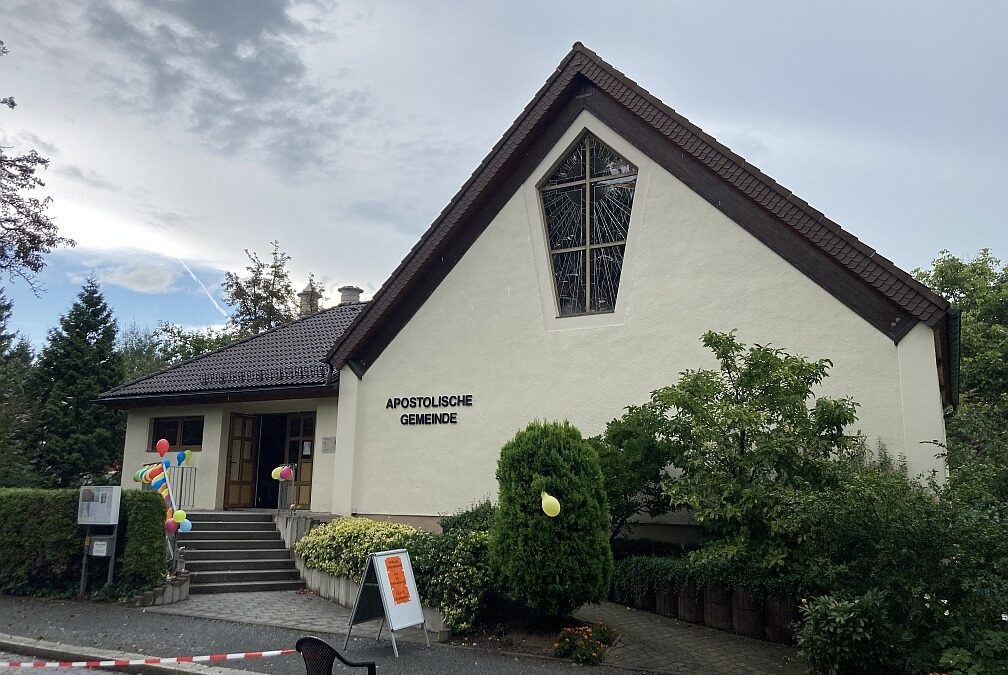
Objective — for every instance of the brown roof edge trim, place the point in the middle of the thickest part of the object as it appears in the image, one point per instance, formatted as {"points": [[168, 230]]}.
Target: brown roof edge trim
{"points": [[480, 172], [723, 150], [220, 396], [862, 267]]}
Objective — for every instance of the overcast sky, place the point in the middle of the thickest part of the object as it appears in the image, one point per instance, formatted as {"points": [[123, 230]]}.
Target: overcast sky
{"points": [[182, 133]]}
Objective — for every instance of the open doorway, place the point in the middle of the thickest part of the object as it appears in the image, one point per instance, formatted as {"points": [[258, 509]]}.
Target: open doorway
{"points": [[260, 443], [272, 443]]}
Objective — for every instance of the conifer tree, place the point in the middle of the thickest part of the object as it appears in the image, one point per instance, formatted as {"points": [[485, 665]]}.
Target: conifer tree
{"points": [[78, 439], [17, 405]]}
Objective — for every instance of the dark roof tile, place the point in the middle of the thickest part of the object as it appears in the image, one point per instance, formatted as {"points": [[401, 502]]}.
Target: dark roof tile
{"points": [[289, 355]]}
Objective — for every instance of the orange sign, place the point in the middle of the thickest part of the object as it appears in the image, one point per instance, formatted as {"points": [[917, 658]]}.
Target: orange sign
{"points": [[397, 580]]}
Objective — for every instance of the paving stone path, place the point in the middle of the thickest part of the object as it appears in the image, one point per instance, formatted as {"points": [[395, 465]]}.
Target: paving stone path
{"points": [[648, 642], [654, 643]]}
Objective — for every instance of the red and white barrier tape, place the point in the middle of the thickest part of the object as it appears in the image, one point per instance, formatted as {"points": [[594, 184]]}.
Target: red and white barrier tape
{"points": [[142, 662]]}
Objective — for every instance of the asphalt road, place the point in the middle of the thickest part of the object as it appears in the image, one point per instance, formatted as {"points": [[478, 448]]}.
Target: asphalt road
{"points": [[113, 627], [7, 656]]}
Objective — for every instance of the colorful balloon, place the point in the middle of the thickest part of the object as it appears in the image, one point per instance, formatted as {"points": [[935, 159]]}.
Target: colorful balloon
{"points": [[170, 526], [276, 473], [138, 476], [286, 473], [185, 526], [166, 464], [153, 472], [162, 446], [188, 455], [179, 516], [550, 505], [180, 457]]}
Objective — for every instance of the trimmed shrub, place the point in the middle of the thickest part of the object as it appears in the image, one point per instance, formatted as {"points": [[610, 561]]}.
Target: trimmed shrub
{"points": [[341, 547], [41, 544], [453, 575], [477, 518], [143, 552], [551, 566], [849, 636]]}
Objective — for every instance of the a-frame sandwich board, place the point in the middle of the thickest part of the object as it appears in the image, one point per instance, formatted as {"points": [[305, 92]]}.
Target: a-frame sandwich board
{"points": [[388, 592]]}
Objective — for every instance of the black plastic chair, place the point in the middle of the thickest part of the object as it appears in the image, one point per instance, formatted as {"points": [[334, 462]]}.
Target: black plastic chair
{"points": [[319, 657]]}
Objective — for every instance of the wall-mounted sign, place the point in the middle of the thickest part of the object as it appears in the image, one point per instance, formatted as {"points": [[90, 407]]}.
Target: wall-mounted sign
{"points": [[442, 404]]}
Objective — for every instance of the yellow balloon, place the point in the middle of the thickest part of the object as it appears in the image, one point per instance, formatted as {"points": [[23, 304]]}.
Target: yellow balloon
{"points": [[179, 516], [550, 505], [276, 473], [188, 455]]}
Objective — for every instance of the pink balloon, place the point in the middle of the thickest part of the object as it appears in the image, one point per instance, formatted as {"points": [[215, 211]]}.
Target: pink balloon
{"points": [[286, 473], [162, 446], [170, 526]]}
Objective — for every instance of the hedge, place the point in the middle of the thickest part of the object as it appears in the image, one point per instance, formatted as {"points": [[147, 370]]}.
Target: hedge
{"points": [[41, 544]]}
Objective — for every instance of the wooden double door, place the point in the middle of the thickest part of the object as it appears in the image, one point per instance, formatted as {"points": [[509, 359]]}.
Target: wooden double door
{"points": [[249, 462]]}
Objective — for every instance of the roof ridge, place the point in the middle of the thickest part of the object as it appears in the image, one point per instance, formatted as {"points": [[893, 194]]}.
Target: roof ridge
{"points": [[851, 257], [236, 343], [761, 176]]}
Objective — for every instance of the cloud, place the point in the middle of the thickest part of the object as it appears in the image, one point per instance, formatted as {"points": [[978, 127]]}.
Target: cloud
{"points": [[131, 270], [85, 176], [231, 70]]}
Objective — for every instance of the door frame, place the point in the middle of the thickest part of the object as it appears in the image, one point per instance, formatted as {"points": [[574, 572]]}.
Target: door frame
{"points": [[247, 467]]}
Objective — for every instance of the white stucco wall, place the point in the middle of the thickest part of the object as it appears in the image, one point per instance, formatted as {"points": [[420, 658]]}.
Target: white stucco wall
{"points": [[211, 460], [490, 329]]}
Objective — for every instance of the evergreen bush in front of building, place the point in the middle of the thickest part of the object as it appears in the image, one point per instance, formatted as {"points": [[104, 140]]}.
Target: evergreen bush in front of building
{"points": [[551, 566], [41, 544]]}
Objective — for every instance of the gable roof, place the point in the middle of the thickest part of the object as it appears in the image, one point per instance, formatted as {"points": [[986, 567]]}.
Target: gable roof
{"points": [[857, 275], [288, 359]]}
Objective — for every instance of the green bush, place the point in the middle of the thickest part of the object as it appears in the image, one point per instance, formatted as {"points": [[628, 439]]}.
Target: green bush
{"points": [[41, 544], [453, 575], [477, 518], [341, 547], [849, 636], [551, 565], [451, 570], [143, 560]]}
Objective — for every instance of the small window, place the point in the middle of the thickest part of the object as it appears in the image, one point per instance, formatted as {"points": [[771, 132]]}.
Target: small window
{"points": [[586, 203], [183, 433]]}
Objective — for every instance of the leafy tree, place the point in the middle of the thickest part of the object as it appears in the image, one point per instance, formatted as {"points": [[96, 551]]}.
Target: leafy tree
{"points": [[633, 457], [140, 352], [551, 566], [178, 344], [79, 438], [265, 298], [979, 287], [26, 232], [744, 435]]}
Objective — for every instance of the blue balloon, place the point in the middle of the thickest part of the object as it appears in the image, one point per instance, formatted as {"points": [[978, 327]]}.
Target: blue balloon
{"points": [[180, 457], [167, 464], [185, 526]]}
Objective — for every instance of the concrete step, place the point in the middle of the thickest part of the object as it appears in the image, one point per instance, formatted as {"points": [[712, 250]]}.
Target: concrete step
{"points": [[237, 535], [246, 554], [245, 587], [243, 575], [233, 526], [233, 516], [238, 564], [232, 544]]}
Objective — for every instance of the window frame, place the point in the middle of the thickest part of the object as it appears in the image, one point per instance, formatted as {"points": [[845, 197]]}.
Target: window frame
{"points": [[587, 182], [179, 420]]}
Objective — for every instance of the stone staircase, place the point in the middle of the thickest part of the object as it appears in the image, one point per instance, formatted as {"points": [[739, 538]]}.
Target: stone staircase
{"points": [[237, 551]]}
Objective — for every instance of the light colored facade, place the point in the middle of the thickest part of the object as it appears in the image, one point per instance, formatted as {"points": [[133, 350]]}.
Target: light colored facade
{"points": [[487, 326]]}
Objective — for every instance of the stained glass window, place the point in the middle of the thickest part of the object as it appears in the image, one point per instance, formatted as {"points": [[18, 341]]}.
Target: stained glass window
{"points": [[586, 203]]}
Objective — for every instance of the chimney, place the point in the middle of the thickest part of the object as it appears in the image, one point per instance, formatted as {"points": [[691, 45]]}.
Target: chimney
{"points": [[309, 299], [349, 294]]}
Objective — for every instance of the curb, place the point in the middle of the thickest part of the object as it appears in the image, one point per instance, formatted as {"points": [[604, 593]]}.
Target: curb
{"points": [[63, 652]]}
